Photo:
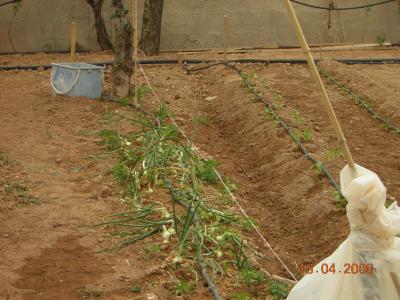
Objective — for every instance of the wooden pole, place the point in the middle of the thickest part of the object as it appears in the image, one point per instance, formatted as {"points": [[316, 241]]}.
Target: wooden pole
{"points": [[73, 38], [135, 44], [325, 98], [179, 57], [226, 38]]}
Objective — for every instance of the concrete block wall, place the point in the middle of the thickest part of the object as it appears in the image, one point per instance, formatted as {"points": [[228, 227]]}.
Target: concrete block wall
{"points": [[43, 25]]}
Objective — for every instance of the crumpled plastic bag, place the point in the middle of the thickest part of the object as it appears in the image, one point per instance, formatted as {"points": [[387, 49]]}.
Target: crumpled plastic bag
{"points": [[372, 248]]}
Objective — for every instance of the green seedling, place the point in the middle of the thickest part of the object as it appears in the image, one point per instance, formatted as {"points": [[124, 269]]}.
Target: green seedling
{"points": [[277, 100], [121, 172], [110, 138], [230, 184], [340, 200], [183, 288], [278, 290], [252, 75], [271, 116], [296, 134], [297, 116], [307, 135], [318, 168], [333, 153], [253, 277], [206, 170], [163, 112]]}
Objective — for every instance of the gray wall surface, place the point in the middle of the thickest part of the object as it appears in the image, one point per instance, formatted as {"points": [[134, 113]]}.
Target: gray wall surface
{"points": [[44, 25]]}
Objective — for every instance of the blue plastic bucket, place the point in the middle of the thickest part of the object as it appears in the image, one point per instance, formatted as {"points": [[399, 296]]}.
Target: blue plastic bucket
{"points": [[77, 79]]}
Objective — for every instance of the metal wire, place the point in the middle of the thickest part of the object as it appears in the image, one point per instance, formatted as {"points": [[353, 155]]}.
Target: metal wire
{"points": [[222, 181], [342, 8]]}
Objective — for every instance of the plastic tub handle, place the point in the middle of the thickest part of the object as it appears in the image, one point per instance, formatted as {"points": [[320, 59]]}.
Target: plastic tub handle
{"points": [[68, 90]]}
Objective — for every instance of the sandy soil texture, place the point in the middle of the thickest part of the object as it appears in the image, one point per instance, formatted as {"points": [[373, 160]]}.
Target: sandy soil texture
{"points": [[53, 189]]}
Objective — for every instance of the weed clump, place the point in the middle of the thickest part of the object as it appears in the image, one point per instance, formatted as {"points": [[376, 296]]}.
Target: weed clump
{"points": [[156, 157]]}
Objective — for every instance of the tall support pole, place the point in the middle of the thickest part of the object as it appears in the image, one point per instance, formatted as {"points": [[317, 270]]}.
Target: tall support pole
{"points": [[135, 44], [226, 38], [317, 78], [73, 39]]}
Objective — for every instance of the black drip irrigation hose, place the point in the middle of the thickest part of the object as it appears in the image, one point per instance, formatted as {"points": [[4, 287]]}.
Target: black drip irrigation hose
{"points": [[342, 8], [349, 61], [200, 260], [279, 120], [360, 101], [203, 267]]}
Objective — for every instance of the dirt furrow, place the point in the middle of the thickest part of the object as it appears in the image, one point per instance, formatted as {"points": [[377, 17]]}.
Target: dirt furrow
{"points": [[377, 84], [276, 183], [373, 146]]}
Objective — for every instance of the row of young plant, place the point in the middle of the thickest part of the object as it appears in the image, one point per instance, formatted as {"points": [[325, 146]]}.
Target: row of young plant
{"points": [[299, 136], [359, 100], [257, 87], [197, 220]]}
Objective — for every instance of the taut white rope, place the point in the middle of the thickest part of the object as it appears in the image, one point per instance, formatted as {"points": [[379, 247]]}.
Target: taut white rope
{"points": [[220, 178]]}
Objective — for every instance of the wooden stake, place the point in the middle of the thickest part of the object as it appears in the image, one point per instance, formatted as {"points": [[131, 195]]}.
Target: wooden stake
{"points": [[179, 57], [73, 39], [226, 38], [325, 98], [135, 44], [320, 46]]}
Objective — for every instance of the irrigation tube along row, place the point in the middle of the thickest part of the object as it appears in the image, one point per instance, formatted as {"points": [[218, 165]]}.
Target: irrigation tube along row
{"points": [[203, 268], [359, 100], [281, 122], [221, 180], [349, 61], [200, 260]]}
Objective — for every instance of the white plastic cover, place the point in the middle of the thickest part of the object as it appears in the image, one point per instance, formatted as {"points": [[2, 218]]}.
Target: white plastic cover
{"points": [[372, 242]]}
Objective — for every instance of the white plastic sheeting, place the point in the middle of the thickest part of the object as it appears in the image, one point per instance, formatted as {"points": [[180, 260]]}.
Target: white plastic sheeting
{"points": [[345, 275]]}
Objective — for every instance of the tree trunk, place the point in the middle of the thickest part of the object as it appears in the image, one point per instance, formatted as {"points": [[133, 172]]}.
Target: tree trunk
{"points": [[122, 66], [101, 31], [151, 28]]}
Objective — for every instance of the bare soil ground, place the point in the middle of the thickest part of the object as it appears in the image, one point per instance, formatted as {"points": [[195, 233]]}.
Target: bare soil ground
{"points": [[52, 189]]}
